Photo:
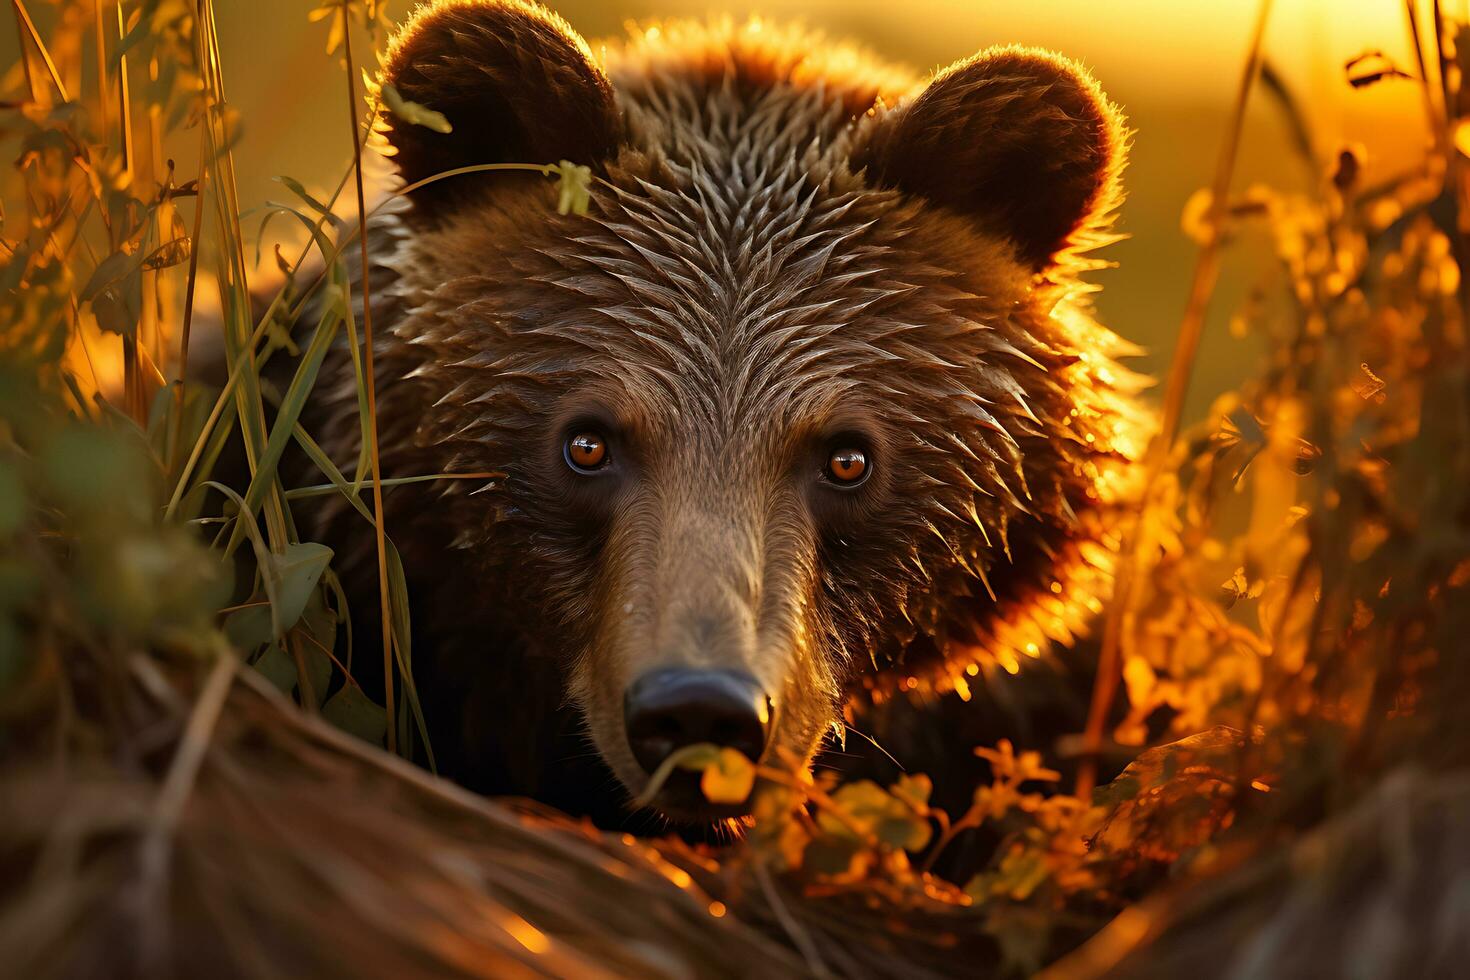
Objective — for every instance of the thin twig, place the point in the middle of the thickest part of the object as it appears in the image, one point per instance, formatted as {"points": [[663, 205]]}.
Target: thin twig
{"points": [[30, 31], [203, 438], [798, 936], [132, 377], [384, 598], [104, 127], [178, 784], [1202, 286], [176, 439], [324, 489], [195, 740], [124, 97], [247, 356], [33, 84], [1437, 129]]}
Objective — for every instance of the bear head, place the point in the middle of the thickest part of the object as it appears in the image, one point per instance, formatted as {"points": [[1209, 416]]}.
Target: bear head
{"points": [[807, 406]]}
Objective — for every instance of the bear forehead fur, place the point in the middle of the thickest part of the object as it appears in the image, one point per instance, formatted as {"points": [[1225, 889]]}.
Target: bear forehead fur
{"points": [[787, 242]]}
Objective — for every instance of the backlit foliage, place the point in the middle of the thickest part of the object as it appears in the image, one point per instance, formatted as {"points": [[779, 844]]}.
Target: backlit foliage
{"points": [[1296, 588]]}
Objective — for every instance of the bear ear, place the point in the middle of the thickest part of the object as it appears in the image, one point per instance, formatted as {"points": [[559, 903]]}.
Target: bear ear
{"points": [[1020, 140], [515, 82]]}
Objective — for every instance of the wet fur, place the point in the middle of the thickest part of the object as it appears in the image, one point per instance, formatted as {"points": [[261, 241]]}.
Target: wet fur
{"points": [[788, 242]]}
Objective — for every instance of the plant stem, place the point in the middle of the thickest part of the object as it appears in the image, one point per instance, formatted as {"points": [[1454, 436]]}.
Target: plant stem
{"points": [[1437, 129], [1191, 327], [28, 29], [384, 600], [176, 438]]}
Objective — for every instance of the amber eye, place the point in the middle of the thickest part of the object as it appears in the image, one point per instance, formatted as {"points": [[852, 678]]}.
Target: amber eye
{"points": [[586, 451], [847, 467]]}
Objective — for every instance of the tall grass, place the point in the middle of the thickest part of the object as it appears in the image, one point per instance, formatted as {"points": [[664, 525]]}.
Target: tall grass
{"points": [[89, 181], [1288, 633]]}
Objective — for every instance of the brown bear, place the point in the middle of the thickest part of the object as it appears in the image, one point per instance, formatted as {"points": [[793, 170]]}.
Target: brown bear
{"points": [[808, 407]]}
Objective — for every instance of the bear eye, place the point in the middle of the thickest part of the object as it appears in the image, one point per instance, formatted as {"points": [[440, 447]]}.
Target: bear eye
{"points": [[847, 466], [586, 452]]}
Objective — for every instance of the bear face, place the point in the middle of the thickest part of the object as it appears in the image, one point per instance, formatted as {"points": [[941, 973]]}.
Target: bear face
{"points": [[806, 405]]}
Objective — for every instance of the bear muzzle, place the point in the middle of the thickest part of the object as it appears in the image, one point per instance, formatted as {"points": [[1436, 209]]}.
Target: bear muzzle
{"points": [[670, 708]]}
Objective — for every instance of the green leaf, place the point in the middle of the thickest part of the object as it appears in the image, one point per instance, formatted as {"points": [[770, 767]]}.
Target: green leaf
{"points": [[397, 588], [248, 628], [312, 226], [292, 404], [341, 291], [1021, 872], [118, 306], [113, 269], [403, 643], [908, 833], [299, 189], [914, 790], [897, 819], [198, 401], [864, 802], [318, 671], [1120, 790], [413, 112], [294, 573], [981, 887], [278, 668], [351, 710], [320, 621], [115, 290]]}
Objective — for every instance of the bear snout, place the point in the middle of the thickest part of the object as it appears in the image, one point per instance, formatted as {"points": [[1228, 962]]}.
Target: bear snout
{"points": [[669, 708]]}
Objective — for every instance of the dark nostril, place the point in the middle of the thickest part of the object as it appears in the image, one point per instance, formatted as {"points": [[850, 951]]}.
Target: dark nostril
{"points": [[667, 709]]}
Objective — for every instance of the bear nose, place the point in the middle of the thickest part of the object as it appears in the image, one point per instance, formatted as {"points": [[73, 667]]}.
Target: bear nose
{"points": [[667, 709]]}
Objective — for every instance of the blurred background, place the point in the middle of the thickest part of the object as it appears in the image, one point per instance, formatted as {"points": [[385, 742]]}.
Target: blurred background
{"points": [[1174, 68]]}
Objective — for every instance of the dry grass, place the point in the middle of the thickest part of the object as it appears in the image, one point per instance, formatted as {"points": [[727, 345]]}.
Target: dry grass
{"points": [[1289, 631]]}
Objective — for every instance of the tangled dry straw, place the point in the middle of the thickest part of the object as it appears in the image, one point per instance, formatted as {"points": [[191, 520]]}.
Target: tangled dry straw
{"points": [[295, 850], [1290, 640]]}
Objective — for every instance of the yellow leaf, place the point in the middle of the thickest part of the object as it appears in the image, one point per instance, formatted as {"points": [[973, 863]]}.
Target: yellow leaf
{"points": [[574, 188], [413, 112], [1195, 219], [729, 778], [914, 790], [697, 758]]}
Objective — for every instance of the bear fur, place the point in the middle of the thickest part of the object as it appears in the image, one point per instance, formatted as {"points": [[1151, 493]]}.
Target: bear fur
{"points": [[788, 243]]}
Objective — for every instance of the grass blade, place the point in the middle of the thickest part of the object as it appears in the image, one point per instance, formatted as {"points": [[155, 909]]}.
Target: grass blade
{"points": [[292, 404]]}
